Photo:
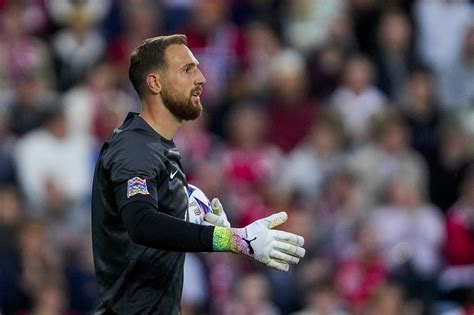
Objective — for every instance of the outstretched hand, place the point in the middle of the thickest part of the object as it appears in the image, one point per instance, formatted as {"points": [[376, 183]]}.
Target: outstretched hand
{"points": [[274, 248]]}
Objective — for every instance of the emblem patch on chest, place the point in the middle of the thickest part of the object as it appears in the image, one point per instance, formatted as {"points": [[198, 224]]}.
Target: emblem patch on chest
{"points": [[136, 186]]}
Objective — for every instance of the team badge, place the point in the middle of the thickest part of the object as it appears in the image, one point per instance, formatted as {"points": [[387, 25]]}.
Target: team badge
{"points": [[136, 186]]}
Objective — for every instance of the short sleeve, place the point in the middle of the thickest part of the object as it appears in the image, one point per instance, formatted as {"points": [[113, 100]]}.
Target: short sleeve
{"points": [[136, 189], [134, 170]]}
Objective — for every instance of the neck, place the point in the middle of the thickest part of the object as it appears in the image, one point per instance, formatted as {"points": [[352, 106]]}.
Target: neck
{"points": [[160, 118]]}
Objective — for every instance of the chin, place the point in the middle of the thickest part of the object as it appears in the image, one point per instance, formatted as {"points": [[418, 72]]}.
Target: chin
{"points": [[195, 113], [197, 107], [196, 103]]}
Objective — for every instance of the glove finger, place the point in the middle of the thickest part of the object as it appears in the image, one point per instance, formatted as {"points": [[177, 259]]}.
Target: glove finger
{"points": [[284, 257], [278, 265], [217, 206], [289, 249], [288, 237], [216, 220], [274, 219], [211, 218]]}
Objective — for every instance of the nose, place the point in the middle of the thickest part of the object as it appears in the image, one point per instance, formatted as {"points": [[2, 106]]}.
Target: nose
{"points": [[200, 78]]}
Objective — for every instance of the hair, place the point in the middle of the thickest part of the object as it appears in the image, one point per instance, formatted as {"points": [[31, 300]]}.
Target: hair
{"points": [[149, 56], [384, 121]]}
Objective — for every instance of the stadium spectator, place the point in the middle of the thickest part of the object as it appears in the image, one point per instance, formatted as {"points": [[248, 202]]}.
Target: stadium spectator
{"points": [[359, 276], [458, 277], [249, 163], [79, 44], [387, 155], [389, 300], [442, 27], [80, 281], [44, 159], [262, 45], [315, 159], [422, 112], [289, 104], [324, 71], [216, 42], [451, 162], [11, 217], [308, 22], [19, 48], [252, 297], [321, 298], [410, 232], [201, 146], [137, 20], [394, 56], [341, 207], [357, 99], [95, 108], [458, 87], [30, 98], [37, 263]]}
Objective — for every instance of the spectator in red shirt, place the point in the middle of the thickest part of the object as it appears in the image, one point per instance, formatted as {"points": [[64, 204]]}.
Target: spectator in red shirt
{"points": [[361, 274], [457, 280], [290, 109], [460, 225], [249, 163], [217, 43]]}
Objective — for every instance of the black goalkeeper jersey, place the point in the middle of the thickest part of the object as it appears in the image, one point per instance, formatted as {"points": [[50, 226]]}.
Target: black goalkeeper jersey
{"points": [[136, 165]]}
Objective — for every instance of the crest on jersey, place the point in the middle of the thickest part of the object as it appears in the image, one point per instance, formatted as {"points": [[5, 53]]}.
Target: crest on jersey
{"points": [[137, 186]]}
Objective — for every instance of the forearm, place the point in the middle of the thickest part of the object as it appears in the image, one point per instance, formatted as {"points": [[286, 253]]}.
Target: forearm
{"points": [[274, 248], [149, 227]]}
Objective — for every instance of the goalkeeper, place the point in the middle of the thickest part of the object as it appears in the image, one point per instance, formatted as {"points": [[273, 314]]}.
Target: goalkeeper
{"points": [[140, 201]]}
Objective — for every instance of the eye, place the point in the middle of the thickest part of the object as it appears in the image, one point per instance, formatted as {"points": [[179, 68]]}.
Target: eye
{"points": [[188, 69]]}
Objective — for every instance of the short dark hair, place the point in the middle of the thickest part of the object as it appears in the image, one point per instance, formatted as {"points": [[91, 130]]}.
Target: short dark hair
{"points": [[148, 56]]}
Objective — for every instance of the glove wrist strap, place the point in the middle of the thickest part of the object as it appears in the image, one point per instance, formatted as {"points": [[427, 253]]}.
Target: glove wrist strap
{"points": [[229, 240]]}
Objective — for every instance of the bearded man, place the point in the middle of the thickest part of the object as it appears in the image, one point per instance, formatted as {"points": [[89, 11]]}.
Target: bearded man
{"points": [[140, 228]]}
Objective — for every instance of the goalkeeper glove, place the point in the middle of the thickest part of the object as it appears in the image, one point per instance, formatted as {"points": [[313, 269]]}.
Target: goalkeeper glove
{"points": [[274, 248]]}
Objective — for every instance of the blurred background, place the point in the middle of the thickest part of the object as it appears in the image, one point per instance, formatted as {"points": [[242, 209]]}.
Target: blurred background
{"points": [[354, 116]]}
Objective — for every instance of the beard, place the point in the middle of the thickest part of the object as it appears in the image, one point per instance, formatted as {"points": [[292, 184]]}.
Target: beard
{"points": [[181, 106]]}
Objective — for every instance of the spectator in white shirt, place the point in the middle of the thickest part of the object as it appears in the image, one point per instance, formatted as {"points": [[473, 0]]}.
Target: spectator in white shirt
{"points": [[357, 99], [411, 233], [51, 161]]}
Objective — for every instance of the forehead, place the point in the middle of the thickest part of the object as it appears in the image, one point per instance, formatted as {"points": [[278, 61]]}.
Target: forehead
{"points": [[178, 56]]}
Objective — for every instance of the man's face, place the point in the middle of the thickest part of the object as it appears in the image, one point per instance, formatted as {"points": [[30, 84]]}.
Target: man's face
{"points": [[182, 83]]}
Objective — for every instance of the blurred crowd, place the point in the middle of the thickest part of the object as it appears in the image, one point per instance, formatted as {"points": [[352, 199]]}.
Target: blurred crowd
{"points": [[354, 116]]}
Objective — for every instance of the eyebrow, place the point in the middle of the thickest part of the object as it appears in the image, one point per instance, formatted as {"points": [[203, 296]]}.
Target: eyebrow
{"points": [[191, 64]]}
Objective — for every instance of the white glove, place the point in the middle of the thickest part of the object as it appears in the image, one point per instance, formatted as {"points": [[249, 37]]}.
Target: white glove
{"points": [[274, 248], [217, 217]]}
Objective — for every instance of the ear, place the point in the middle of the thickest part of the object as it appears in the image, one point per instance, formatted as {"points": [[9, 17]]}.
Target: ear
{"points": [[153, 82]]}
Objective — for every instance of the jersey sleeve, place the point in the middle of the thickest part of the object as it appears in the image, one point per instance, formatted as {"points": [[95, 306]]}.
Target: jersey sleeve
{"points": [[136, 189], [134, 171]]}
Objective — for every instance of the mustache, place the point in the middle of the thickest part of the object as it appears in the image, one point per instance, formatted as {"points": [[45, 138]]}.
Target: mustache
{"points": [[197, 89]]}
